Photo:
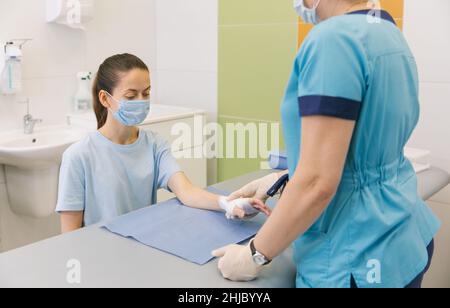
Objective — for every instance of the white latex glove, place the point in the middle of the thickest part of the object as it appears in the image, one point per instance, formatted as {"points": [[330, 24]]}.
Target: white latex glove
{"points": [[256, 189], [243, 208], [236, 263]]}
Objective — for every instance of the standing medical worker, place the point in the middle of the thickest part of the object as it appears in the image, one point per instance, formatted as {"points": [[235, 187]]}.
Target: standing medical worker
{"points": [[351, 207]]}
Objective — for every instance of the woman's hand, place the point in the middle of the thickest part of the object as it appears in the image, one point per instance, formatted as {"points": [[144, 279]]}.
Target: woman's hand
{"points": [[243, 208], [195, 197], [256, 189]]}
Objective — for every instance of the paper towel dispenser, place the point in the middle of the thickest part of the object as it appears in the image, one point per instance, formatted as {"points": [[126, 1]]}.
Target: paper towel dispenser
{"points": [[72, 13]]}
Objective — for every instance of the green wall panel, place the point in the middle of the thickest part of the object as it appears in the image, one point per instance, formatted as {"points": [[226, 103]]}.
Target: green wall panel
{"points": [[257, 47], [233, 165], [243, 12], [255, 63]]}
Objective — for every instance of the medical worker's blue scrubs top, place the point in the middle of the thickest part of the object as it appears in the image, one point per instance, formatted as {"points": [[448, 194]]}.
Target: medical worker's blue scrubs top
{"points": [[355, 68]]}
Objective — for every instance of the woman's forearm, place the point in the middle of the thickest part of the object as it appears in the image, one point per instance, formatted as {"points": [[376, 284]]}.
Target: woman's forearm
{"points": [[191, 195], [301, 204], [201, 199]]}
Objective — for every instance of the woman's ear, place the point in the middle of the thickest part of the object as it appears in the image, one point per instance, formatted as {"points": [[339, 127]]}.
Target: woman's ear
{"points": [[103, 97]]}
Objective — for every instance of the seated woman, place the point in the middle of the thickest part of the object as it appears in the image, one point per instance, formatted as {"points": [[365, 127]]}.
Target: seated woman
{"points": [[119, 168]]}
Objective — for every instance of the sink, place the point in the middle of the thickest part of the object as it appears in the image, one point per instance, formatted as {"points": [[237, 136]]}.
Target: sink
{"points": [[39, 150], [32, 167]]}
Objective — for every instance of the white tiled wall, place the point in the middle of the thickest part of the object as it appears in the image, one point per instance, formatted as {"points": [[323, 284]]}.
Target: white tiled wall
{"points": [[189, 89], [57, 53], [427, 28], [187, 55], [50, 60], [187, 46], [122, 26], [187, 35]]}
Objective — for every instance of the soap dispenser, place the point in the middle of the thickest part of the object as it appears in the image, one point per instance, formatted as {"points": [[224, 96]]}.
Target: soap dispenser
{"points": [[83, 97], [11, 75]]}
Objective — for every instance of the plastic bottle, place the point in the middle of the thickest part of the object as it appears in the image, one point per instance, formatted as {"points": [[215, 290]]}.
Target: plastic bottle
{"points": [[83, 97]]}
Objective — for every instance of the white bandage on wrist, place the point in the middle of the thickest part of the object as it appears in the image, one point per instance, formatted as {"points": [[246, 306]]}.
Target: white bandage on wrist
{"points": [[227, 207], [244, 204]]}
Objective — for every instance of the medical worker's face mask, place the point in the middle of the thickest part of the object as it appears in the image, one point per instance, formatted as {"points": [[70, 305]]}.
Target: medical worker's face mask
{"points": [[309, 15], [131, 112]]}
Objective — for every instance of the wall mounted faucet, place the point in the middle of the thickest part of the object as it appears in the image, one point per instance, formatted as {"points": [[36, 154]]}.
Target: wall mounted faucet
{"points": [[28, 121]]}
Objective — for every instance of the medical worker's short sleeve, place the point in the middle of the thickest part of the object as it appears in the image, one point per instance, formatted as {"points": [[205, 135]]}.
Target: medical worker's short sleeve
{"points": [[332, 75]]}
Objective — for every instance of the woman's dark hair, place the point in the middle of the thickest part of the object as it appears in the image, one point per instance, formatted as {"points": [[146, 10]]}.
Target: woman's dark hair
{"points": [[108, 77]]}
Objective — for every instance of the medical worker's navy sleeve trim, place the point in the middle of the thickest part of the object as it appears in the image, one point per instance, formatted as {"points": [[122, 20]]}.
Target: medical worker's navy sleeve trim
{"points": [[337, 107]]}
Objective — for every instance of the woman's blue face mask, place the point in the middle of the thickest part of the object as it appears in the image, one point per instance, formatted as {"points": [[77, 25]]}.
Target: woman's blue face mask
{"points": [[131, 112]]}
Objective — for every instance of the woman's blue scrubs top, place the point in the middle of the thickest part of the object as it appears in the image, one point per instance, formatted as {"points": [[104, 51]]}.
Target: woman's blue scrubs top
{"points": [[377, 228]]}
